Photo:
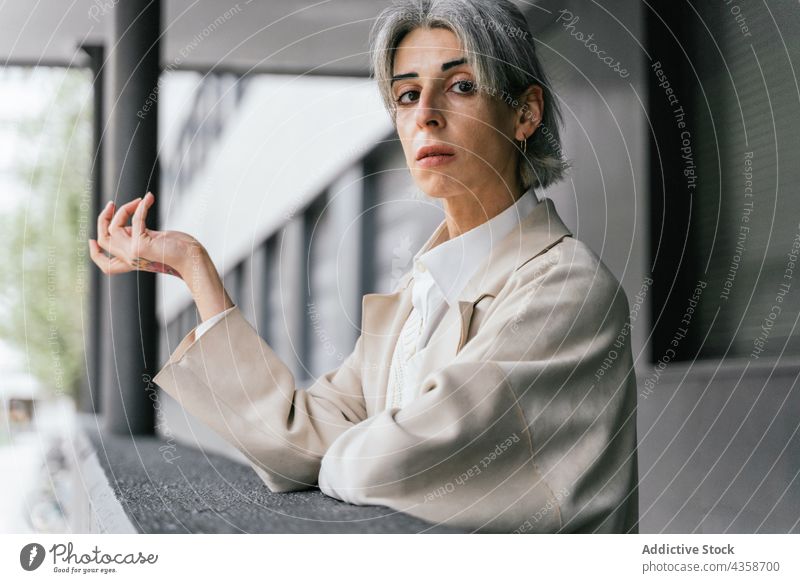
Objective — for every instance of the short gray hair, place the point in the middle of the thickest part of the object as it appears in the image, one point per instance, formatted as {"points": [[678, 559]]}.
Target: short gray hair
{"points": [[501, 50]]}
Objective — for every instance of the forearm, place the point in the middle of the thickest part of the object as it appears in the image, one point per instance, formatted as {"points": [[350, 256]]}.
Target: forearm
{"points": [[205, 284], [234, 382]]}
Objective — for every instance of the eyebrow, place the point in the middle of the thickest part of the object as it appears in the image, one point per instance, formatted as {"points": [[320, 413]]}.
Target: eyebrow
{"points": [[445, 67]]}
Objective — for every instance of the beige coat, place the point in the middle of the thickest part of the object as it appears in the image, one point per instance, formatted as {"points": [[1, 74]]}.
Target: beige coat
{"points": [[526, 416]]}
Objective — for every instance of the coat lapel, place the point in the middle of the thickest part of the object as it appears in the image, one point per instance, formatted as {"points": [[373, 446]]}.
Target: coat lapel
{"points": [[383, 315], [382, 318]]}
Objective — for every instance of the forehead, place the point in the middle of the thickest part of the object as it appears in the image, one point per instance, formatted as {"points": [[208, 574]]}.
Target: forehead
{"points": [[426, 48]]}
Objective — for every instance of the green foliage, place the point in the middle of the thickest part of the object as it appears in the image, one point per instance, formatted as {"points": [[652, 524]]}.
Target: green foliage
{"points": [[44, 276]]}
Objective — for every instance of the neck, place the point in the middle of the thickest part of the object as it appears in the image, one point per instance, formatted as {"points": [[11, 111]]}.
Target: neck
{"points": [[466, 211]]}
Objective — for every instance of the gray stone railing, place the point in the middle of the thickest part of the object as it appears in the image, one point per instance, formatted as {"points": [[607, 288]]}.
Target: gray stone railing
{"points": [[124, 484]]}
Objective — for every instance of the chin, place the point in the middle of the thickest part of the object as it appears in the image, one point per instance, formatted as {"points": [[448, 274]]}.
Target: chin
{"points": [[436, 184]]}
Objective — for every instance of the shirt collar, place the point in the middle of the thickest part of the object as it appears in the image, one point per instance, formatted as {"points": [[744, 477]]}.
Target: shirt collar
{"points": [[452, 262]]}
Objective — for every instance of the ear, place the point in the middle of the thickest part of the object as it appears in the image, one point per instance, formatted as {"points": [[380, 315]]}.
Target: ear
{"points": [[529, 112]]}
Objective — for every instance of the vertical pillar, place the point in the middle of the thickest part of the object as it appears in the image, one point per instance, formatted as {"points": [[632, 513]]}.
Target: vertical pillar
{"points": [[673, 254], [130, 357], [89, 400]]}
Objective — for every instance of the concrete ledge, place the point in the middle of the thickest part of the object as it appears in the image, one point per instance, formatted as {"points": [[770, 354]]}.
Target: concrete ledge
{"points": [[94, 506], [124, 484]]}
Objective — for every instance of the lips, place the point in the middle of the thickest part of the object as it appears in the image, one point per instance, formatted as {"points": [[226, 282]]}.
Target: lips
{"points": [[435, 150]]}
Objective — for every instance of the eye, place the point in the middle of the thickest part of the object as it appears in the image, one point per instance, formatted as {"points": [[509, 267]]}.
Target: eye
{"points": [[465, 86], [402, 95]]}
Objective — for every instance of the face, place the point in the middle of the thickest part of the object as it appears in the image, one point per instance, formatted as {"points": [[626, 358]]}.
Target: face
{"points": [[440, 106]]}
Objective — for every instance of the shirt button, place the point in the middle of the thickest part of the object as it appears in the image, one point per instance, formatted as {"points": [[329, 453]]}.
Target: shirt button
{"points": [[420, 266]]}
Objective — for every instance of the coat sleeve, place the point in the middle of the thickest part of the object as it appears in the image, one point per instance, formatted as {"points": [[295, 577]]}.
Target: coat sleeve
{"points": [[520, 432], [234, 382]]}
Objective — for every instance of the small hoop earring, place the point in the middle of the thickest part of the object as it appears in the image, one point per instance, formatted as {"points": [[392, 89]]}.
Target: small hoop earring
{"points": [[523, 146]]}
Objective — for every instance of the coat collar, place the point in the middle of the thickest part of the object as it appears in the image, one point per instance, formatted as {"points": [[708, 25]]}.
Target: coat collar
{"points": [[537, 232], [383, 315], [447, 260]]}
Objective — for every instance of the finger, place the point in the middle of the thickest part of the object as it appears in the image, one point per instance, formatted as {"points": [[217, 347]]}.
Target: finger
{"points": [[123, 215], [98, 256], [108, 243], [100, 259], [108, 265], [140, 215], [103, 220]]}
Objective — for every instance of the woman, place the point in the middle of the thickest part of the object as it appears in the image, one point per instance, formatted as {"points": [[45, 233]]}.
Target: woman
{"points": [[493, 390]]}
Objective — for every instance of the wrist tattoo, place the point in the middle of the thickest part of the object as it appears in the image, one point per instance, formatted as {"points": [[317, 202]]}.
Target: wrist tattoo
{"points": [[143, 264]]}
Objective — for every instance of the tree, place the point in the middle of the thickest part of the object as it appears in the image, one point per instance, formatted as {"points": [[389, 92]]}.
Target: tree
{"points": [[44, 272]]}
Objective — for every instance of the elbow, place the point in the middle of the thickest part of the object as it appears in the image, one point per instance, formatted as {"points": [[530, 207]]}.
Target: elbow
{"points": [[360, 481], [286, 473]]}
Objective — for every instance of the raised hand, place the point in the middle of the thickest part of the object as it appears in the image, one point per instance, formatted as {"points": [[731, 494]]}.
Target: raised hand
{"points": [[136, 247], [121, 248]]}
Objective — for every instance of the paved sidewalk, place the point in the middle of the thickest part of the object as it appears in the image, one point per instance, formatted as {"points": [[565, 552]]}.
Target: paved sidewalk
{"points": [[32, 477]]}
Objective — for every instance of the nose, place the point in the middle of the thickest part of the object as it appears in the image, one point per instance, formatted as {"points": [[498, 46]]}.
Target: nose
{"points": [[429, 113]]}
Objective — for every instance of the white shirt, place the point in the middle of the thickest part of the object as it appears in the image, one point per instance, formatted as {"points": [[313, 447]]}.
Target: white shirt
{"points": [[202, 327], [441, 269]]}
